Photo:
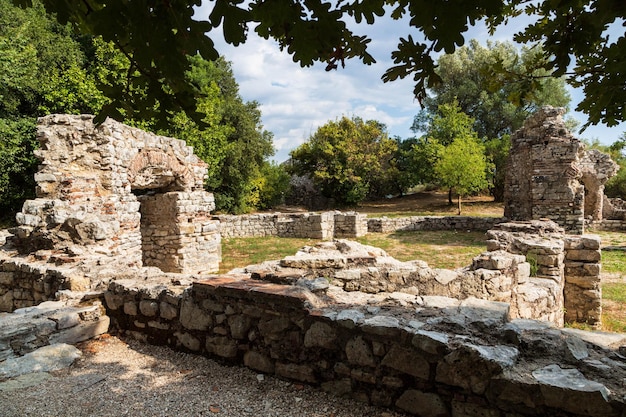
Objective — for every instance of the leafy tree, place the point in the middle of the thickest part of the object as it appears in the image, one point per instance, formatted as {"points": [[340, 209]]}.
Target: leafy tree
{"points": [[462, 165], [272, 185], [347, 159], [35, 47], [313, 31], [484, 81], [442, 129]]}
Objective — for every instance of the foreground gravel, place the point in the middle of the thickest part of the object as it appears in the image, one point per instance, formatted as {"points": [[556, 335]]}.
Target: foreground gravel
{"points": [[118, 377]]}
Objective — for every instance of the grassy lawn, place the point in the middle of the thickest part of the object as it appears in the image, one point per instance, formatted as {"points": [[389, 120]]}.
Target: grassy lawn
{"points": [[440, 249], [240, 252]]}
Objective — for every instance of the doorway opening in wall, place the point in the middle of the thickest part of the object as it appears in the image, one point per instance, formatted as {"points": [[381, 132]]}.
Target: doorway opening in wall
{"points": [[158, 228]]}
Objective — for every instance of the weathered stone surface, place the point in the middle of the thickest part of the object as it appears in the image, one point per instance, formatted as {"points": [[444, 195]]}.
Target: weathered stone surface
{"points": [[188, 341], [239, 326], [302, 373], [221, 346], [193, 317], [258, 361], [25, 381], [320, 335], [407, 361], [422, 404], [45, 359], [569, 390], [359, 352]]}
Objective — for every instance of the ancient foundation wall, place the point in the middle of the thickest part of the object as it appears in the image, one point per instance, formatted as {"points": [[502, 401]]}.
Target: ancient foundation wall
{"points": [[413, 223], [325, 225], [433, 357], [341, 224]]}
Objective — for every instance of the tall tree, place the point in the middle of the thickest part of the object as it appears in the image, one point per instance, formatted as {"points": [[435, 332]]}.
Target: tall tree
{"points": [[462, 166], [573, 35], [497, 85], [41, 70], [347, 159]]}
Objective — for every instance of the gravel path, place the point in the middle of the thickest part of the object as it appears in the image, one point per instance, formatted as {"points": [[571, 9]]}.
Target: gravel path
{"points": [[118, 377]]}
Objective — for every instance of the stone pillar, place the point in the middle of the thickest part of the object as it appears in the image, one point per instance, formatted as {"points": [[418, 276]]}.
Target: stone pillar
{"points": [[582, 292], [178, 234]]}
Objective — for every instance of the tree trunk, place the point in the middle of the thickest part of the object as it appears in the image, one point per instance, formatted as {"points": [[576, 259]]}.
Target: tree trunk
{"points": [[459, 204], [450, 196]]}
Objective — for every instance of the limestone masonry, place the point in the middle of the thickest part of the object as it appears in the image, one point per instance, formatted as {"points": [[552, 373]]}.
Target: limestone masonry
{"points": [[119, 193], [121, 239], [550, 175]]}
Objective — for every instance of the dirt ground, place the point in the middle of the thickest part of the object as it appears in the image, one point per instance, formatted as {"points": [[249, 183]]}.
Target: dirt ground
{"points": [[435, 202], [421, 203]]}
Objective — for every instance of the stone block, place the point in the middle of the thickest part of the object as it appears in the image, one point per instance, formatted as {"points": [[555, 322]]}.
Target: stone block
{"points": [[148, 308], [258, 362], [188, 341], [193, 317], [303, 373], [407, 361], [359, 352], [422, 404], [221, 346], [167, 311], [320, 335], [569, 390]]}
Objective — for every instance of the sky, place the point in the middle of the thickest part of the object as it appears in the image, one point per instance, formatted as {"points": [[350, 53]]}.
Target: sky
{"points": [[295, 101]]}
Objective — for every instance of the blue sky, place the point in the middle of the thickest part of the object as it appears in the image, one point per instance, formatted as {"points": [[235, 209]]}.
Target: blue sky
{"points": [[295, 101]]}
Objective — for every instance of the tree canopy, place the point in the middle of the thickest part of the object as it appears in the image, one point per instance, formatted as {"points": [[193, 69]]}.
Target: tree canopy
{"points": [[348, 159], [158, 35], [79, 69]]}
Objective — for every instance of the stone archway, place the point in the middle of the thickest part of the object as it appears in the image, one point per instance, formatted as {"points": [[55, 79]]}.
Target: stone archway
{"points": [[155, 169]]}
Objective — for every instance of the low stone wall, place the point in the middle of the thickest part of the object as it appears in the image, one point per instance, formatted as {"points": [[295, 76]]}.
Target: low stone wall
{"points": [[607, 225], [388, 225], [427, 356], [334, 224], [565, 266], [324, 226]]}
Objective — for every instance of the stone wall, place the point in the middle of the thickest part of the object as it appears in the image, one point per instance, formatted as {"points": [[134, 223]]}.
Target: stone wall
{"points": [[324, 226], [87, 206], [566, 278], [548, 171], [413, 223], [427, 356]]}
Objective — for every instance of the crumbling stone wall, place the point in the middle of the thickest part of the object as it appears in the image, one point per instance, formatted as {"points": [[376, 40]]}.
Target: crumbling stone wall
{"points": [[325, 225], [550, 175], [427, 356], [87, 203], [414, 223], [566, 277]]}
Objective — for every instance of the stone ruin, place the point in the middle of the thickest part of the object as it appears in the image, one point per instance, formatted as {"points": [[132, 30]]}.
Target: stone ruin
{"points": [[119, 194], [120, 239], [551, 175]]}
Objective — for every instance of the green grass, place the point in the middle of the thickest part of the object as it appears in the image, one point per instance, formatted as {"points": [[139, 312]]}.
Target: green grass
{"points": [[240, 252], [440, 249], [614, 291], [614, 262]]}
